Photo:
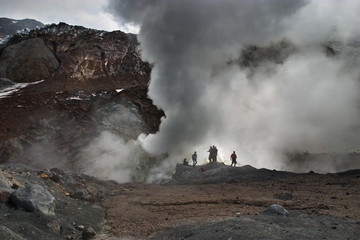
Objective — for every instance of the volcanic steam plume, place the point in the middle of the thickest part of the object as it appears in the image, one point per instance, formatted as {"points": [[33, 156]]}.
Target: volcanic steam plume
{"points": [[263, 78]]}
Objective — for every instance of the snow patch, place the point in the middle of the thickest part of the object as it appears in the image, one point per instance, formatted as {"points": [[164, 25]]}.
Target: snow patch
{"points": [[5, 39], [74, 98], [23, 31], [119, 90], [14, 88]]}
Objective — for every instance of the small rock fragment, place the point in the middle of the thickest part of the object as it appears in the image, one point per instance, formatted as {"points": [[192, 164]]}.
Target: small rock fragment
{"points": [[4, 195], [80, 227], [88, 233]]}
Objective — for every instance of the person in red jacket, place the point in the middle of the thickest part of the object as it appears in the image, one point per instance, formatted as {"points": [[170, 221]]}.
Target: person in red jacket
{"points": [[233, 158]]}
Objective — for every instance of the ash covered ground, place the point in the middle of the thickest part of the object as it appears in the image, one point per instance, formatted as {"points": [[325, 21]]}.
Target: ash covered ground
{"points": [[212, 201]]}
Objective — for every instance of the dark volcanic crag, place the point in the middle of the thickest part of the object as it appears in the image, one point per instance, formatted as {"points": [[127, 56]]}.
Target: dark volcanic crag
{"points": [[79, 77]]}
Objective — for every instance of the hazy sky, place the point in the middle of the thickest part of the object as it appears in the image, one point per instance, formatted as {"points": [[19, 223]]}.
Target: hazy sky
{"points": [[88, 13]]}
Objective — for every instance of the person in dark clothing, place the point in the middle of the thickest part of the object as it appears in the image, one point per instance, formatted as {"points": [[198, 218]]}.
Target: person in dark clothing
{"points": [[186, 163], [215, 154], [211, 153], [233, 158], [194, 159]]}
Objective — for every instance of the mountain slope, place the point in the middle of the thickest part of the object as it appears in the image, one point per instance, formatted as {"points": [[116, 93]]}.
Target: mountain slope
{"points": [[10, 26]]}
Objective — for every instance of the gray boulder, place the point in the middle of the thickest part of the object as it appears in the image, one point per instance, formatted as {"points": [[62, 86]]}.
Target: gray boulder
{"points": [[27, 61], [276, 209], [34, 198]]}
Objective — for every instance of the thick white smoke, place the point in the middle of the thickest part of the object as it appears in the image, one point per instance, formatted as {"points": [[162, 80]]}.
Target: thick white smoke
{"points": [[109, 157], [307, 103]]}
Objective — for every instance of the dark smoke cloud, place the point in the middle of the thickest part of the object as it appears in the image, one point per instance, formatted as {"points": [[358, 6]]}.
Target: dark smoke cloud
{"points": [[309, 102]]}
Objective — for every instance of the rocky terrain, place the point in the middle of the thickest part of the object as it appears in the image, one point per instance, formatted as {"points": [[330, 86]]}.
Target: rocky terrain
{"points": [[49, 204], [62, 85], [213, 201]]}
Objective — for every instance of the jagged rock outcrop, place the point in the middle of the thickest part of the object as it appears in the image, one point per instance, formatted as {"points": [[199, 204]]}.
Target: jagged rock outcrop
{"points": [[100, 84], [28, 61]]}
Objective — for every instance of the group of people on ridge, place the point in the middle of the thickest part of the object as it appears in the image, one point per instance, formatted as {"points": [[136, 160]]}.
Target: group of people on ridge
{"points": [[213, 154], [212, 157]]}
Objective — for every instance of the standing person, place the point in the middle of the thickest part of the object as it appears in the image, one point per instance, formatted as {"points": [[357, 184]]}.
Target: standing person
{"points": [[211, 153], [215, 153], [194, 159], [233, 158]]}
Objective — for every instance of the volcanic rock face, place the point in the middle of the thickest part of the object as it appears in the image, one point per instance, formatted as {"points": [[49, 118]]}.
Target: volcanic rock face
{"points": [[84, 82], [28, 61]]}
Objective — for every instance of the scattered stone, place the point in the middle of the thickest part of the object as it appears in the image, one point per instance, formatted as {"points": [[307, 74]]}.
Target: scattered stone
{"points": [[88, 233], [55, 226], [57, 171], [34, 198], [4, 195], [276, 209], [44, 176], [66, 228], [6, 233], [4, 181], [55, 178], [16, 184], [81, 194], [80, 227]]}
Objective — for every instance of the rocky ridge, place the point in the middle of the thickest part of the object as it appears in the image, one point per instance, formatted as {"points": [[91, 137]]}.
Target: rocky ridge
{"points": [[70, 79]]}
